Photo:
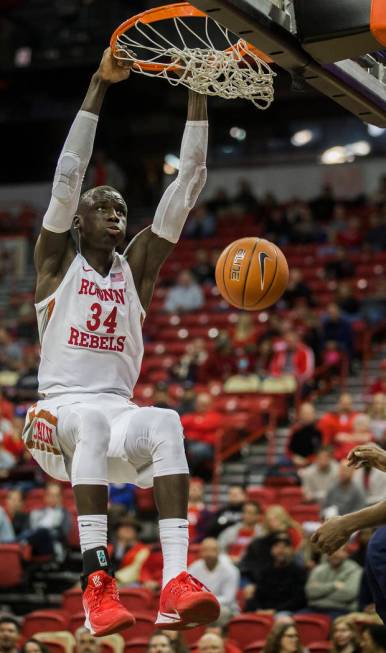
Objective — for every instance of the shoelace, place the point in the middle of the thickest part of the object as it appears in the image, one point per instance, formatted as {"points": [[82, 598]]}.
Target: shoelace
{"points": [[108, 588], [189, 583]]}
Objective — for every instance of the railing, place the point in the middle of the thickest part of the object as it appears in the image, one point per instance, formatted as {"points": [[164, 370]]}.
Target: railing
{"points": [[224, 451]]}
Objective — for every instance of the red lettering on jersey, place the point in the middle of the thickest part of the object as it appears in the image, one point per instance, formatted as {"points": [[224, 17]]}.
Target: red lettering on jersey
{"points": [[112, 346], [119, 296], [121, 343], [103, 342], [73, 339], [84, 287], [92, 289], [108, 295], [84, 339], [94, 342]]}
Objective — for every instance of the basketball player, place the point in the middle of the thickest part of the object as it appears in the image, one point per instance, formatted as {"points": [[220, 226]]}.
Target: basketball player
{"points": [[90, 304], [335, 532]]}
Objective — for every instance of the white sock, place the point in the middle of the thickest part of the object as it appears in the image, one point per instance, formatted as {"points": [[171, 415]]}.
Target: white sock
{"points": [[174, 536], [92, 531]]}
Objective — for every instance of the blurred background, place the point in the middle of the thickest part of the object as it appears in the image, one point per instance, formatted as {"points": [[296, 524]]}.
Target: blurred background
{"points": [[271, 402]]}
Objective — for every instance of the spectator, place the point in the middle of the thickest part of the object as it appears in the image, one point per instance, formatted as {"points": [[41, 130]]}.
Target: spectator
{"points": [[219, 202], [186, 295], [202, 429], [177, 640], [305, 437], [221, 362], [333, 586], [219, 574], [188, 399], [230, 513], [50, 525], [244, 334], [293, 357], [340, 267], [189, 366], [377, 415], [102, 171], [318, 477], [161, 398], [359, 434], [221, 631], [337, 329], [235, 539], [11, 352], [347, 301], [372, 482], [245, 197], [283, 638], [10, 632], [201, 224], [278, 520], [160, 643], [15, 511], [85, 642], [340, 419], [27, 383], [379, 385], [7, 533], [344, 496], [375, 236], [344, 636], [129, 553], [34, 646], [198, 515], [322, 206], [211, 643], [280, 586], [298, 292], [203, 270], [350, 236], [373, 639]]}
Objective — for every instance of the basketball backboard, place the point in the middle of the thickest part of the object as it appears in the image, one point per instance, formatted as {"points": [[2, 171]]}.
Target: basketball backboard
{"points": [[336, 46]]}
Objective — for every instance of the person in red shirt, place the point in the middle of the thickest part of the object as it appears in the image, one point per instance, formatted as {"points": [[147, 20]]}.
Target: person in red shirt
{"points": [[292, 356], [338, 421], [221, 362], [202, 430], [379, 385], [359, 433]]}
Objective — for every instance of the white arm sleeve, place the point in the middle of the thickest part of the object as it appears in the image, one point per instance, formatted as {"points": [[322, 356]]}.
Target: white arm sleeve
{"points": [[180, 197], [73, 161]]}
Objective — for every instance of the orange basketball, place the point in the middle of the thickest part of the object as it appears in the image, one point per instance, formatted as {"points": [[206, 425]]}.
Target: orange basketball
{"points": [[252, 273]]}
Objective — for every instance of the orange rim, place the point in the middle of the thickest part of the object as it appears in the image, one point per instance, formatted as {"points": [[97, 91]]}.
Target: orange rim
{"points": [[378, 20], [167, 12]]}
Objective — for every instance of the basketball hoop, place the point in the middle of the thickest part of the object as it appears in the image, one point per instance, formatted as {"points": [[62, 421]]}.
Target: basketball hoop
{"points": [[185, 46]]}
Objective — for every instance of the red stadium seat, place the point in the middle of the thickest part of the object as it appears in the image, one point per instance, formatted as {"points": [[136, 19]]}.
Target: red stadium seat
{"points": [[145, 500], [255, 647], [136, 646], [264, 495], [76, 621], [54, 645], [11, 570], [247, 628], [306, 512], [72, 600], [312, 628], [192, 635], [44, 621], [136, 599], [294, 494], [142, 629]]}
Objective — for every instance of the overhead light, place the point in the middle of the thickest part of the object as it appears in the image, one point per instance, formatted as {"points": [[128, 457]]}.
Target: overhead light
{"points": [[375, 131], [238, 133], [345, 153], [335, 155], [168, 169], [302, 137], [172, 160]]}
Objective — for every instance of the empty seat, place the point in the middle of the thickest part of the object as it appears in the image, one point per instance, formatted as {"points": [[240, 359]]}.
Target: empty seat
{"points": [[11, 571], [248, 628], [72, 600], [136, 599], [44, 621], [312, 628], [142, 629]]}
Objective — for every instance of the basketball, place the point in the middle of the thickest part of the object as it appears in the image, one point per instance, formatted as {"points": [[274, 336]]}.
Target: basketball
{"points": [[252, 273]]}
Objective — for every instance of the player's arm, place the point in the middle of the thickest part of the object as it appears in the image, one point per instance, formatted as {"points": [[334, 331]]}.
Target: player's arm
{"points": [[54, 248], [150, 248], [335, 532]]}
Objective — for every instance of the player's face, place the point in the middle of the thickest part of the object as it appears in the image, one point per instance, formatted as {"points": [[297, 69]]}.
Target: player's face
{"points": [[103, 219]]}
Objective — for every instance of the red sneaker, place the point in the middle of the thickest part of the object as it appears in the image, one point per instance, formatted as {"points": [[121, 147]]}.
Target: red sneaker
{"points": [[104, 612], [186, 603]]}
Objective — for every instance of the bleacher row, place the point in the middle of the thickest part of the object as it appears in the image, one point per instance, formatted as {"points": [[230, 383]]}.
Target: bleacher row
{"points": [[248, 631]]}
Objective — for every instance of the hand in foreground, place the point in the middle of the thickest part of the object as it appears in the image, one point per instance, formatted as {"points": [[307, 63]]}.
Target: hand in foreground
{"points": [[330, 536], [367, 454], [112, 70]]}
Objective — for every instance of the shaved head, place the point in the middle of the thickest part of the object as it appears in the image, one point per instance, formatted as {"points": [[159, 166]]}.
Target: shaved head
{"points": [[99, 193]]}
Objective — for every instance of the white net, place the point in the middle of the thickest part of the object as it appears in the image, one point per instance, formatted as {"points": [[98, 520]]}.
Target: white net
{"points": [[233, 72]]}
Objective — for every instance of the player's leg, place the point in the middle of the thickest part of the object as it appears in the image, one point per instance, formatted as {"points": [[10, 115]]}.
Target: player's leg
{"points": [[84, 435], [154, 436]]}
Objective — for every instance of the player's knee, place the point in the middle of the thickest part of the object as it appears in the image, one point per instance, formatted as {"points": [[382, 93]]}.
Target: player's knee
{"points": [[95, 430], [167, 428]]}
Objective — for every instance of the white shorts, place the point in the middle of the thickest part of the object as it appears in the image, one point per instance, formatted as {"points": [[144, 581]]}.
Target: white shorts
{"points": [[46, 441]]}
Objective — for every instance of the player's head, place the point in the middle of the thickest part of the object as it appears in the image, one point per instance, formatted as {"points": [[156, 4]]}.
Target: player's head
{"points": [[101, 218]]}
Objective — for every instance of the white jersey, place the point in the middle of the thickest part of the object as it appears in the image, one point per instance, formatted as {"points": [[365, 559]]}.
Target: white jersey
{"points": [[90, 332]]}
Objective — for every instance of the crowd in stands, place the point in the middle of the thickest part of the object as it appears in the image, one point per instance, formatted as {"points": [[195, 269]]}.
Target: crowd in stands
{"points": [[211, 364]]}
